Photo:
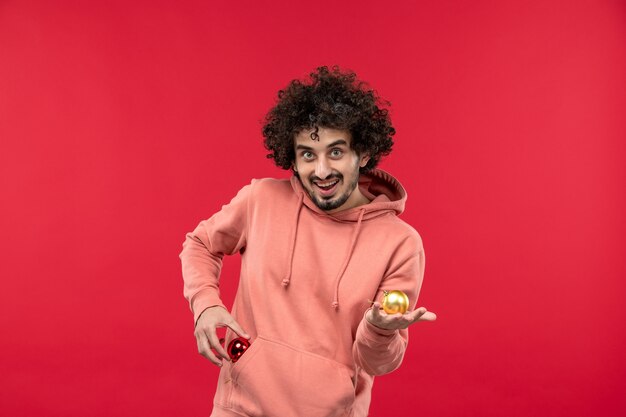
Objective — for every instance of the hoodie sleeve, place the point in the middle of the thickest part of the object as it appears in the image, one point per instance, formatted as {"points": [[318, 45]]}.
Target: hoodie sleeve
{"points": [[205, 247], [380, 351]]}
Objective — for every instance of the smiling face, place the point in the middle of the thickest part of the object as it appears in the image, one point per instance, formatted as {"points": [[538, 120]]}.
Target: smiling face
{"points": [[328, 169]]}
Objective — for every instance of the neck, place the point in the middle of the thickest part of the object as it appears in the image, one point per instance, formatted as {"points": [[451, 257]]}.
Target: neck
{"points": [[356, 199]]}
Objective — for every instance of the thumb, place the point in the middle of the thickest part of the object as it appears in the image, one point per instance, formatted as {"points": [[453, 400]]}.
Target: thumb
{"points": [[234, 326], [376, 310]]}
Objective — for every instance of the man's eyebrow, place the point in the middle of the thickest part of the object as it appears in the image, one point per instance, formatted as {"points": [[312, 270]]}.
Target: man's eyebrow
{"points": [[335, 143]]}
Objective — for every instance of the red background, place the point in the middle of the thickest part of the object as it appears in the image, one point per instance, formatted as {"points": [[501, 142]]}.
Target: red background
{"points": [[122, 125]]}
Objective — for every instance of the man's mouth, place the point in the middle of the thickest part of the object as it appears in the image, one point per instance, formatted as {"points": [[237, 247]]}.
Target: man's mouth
{"points": [[326, 187]]}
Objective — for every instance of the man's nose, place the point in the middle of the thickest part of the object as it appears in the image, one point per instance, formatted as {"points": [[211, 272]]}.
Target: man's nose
{"points": [[322, 168]]}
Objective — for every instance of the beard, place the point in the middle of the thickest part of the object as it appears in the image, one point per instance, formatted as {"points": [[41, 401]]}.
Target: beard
{"points": [[335, 201]]}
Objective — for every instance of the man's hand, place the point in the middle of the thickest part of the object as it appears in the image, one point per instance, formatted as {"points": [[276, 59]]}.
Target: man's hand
{"points": [[379, 318], [206, 333]]}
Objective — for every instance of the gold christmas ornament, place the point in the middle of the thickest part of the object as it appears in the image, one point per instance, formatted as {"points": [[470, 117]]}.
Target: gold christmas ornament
{"points": [[395, 301]]}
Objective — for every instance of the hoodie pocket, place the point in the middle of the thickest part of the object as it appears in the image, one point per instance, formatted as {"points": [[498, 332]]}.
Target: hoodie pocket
{"points": [[274, 379]]}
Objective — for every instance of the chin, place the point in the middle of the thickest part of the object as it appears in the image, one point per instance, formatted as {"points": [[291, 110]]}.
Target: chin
{"points": [[332, 204]]}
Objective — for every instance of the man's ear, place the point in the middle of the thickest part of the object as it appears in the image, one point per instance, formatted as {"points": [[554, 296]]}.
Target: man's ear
{"points": [[365, 158]]}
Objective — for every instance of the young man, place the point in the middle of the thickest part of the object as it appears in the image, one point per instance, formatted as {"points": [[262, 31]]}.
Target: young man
{"points": [[316, 250]]}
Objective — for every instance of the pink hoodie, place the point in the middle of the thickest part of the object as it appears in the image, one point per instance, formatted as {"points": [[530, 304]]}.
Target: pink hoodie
{"points": [[307, 278]]}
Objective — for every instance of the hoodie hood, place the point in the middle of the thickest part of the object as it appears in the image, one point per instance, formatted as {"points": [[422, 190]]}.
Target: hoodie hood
{"points": [[386, 195]]}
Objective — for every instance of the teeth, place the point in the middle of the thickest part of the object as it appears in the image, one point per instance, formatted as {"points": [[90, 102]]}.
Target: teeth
{"points": [[326, 184]]}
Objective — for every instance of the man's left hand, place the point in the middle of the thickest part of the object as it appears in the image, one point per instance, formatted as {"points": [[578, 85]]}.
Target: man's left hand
{"points": [[379, 318]]}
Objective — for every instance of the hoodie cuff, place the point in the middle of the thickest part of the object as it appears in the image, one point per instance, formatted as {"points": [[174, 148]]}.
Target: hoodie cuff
{"points": [[202, 301]]}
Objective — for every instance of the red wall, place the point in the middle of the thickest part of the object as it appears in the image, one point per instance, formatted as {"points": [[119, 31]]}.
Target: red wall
{"points": [[123, 125]]}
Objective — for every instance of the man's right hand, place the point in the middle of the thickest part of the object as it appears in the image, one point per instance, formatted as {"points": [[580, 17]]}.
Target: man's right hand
{"points": [[206, 333]]}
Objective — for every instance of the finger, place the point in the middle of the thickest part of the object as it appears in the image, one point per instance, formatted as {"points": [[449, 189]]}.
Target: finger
{"points": [[428, 316], [215, 344], [376, 310], [417, 313], [421, 314], [234, 326], [205, 350]]}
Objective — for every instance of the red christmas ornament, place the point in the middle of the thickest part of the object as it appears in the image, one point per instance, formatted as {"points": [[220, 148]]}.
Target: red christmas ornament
{"points": [[237, 347]]}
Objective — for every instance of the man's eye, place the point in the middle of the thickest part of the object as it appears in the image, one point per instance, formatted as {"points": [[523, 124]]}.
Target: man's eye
{"points": [[336, 153], [307, 155]]}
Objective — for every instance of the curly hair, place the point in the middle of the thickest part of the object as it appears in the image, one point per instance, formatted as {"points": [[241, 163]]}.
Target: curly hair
{"points": [[330, 99]]}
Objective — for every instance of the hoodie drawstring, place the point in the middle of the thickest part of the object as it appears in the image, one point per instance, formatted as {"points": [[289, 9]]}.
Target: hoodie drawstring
{"points": [[293, 241], [387, 197], [353, 239], [355, 234]]}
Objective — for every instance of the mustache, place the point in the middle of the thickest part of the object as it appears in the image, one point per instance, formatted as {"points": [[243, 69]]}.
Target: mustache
{"points": [[330, 177]]}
